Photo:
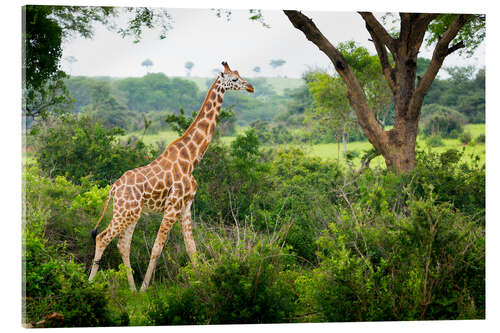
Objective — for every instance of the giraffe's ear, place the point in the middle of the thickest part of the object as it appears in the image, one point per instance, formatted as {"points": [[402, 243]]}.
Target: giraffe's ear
{"points": [[221, 74]]}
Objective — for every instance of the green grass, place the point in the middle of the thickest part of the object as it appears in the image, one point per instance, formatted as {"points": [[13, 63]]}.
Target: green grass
{"points": [[475, 129], [330, 151], [167, 136]]}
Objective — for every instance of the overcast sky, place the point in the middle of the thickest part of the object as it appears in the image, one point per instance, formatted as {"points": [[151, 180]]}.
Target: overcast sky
{"points": [[198, 35]]}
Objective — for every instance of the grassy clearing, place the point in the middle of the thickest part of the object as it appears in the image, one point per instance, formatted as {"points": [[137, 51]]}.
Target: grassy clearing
{"points": [[167, 136], [330, 151], [475, 129], [334, 152]]}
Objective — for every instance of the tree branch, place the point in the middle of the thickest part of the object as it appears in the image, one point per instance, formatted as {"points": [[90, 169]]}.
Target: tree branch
{"points": [[404, 28], [441, 51], [413, 28], [355, 93], [366, 159], [455, 47], [378, 29], [384, 59]]}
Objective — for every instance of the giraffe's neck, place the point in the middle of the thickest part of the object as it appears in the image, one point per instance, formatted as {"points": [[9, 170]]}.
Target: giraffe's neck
{"points": [[199, 134]]}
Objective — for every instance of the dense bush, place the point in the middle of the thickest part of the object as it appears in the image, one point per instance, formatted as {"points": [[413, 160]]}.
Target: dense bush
{"points": [[481, 138], [453, 180], [270, 135], [79, 147], [426, 264], [301, 192], [434, 141], [465, 137], [228, 178], [54, 282], [240, 278], [442, 121]]}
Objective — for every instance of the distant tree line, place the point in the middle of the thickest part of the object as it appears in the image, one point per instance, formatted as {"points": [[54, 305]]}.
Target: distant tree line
{"points": [[124, 102]]}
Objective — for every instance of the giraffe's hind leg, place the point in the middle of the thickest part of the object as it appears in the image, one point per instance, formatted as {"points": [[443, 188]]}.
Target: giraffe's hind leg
{"points": [[124, 248], [118, 224], [101, 242]]}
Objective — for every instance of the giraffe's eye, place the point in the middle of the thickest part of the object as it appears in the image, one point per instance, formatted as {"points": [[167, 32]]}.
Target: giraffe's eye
{"points": [[235, 79]]}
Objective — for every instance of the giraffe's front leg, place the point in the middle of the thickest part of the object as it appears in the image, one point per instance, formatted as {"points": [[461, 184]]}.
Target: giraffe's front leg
{"points": [[169, 218]]}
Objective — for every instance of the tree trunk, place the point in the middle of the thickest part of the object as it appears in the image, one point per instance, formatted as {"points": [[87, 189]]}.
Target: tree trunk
{"points": [[397, 145]]}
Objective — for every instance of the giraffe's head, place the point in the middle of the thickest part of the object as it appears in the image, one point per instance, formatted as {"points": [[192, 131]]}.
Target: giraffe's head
{"points": [[231, 80]]}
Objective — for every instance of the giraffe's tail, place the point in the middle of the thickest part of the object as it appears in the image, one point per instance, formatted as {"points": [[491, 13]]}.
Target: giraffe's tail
{"points": [[94, 231]]}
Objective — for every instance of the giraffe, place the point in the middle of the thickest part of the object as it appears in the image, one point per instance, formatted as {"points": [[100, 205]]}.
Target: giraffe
{"points": [[166, 185]]}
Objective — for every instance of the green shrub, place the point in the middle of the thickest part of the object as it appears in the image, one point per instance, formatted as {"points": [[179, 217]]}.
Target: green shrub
{"points": [[465, 138], [434, 141], [53, 284], [428, 265], [444, 121], [177, 305], [481, 138], [79, 147], [236, 281], [268, 134], [71, 211], [299, 192], [456, 182]]}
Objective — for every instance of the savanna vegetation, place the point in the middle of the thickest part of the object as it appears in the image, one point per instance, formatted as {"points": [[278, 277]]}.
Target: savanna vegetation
{"points": [[296, 217]]}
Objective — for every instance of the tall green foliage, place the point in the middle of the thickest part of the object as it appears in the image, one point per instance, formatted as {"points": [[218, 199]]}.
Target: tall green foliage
{"points": [[156, 91], [462, 92], [426, 264], [79, 147], [53, 281], [442, 121], [244, 278]]}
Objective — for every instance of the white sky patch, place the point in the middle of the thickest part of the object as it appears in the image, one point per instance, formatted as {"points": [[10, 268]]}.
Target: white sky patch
{"points": [[198, 35]]}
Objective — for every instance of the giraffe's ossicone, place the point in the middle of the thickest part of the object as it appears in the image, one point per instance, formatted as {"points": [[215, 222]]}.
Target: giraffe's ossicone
{"points": [[166, 185]]}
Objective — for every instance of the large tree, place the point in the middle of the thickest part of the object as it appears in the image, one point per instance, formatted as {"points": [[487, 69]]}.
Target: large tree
{"points": [[398, 52]]}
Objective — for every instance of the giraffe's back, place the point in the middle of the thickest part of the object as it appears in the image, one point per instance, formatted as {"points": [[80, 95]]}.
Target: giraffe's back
{"points": [[146, 187]]}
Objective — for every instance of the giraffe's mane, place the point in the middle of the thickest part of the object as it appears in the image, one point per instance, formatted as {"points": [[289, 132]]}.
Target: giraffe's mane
{"points": [[197, 117]]}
